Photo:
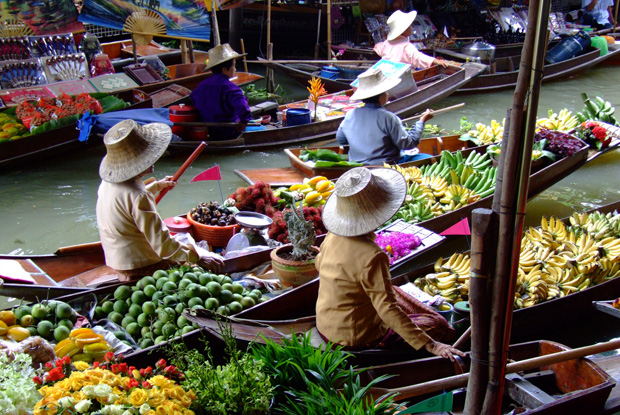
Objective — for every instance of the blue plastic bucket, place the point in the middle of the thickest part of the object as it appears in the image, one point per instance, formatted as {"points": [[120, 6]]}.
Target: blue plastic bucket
{"points": [[297, 116], [330, 72], [568, 47]]}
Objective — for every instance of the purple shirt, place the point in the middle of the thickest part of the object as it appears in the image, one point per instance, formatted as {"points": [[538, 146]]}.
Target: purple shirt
{"points": [[219, 100]]}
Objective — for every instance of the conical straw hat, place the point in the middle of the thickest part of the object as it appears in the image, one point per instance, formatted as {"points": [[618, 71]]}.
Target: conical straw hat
{"points": [[398, 22], [373, 82], [132, 148], [221, 54], [363, 200]]}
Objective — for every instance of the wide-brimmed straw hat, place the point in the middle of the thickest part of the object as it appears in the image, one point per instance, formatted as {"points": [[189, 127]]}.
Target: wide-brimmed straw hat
{"points": [[398, 22], [221, 54], [363, 200], [132, 148], [373, 82]]}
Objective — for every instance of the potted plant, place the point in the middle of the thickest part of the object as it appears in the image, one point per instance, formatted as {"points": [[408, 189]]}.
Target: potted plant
{"points": [[293, 263]]}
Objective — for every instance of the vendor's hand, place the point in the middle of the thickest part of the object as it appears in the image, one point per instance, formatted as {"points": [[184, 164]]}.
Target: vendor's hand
{"points": [[441, 62], [427, 115], [212, 263], [166, 183], [444, 350]]}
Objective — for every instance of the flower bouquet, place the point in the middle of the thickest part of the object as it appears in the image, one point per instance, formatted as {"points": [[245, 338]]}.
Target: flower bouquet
{"points": [[397, 244], [18, 394], [594, 134]]}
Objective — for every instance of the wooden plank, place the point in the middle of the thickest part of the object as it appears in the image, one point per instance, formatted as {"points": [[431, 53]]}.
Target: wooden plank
{"points": [[526, 393], [279, 176]]}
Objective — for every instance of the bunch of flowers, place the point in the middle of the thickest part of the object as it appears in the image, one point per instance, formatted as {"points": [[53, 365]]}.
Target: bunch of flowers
{"points": [[594, 134], [18, 394], [46, 109], [397, 244], [316, 90], [112, 388]]}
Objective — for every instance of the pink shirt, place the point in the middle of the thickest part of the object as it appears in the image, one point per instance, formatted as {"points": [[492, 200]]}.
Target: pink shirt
{"points": [[401, 50]]}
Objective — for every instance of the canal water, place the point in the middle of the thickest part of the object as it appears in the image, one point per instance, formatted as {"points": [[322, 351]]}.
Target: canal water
{"points": [[52, 203]]}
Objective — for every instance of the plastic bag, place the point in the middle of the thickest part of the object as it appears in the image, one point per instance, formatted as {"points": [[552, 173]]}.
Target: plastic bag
{"points": [[36, 347]]}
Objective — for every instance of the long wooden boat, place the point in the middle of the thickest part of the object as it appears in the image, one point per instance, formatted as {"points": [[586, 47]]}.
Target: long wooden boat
{"points": [[18, 153], [438, 83]]}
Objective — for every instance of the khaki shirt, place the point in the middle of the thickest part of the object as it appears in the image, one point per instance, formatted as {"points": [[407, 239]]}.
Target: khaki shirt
{"points": [[132, 233], [357, 304]]}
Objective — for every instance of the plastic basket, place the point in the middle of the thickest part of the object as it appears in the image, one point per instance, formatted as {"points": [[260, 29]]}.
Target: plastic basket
{"points": [[217, 236]]}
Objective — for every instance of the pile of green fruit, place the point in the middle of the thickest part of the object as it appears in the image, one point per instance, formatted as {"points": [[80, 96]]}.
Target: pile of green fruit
{"points": [[11, 128], [53, 320], [150, 311]]}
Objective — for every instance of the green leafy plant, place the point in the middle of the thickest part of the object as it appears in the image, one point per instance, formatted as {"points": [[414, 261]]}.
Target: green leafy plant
{"points": [[538, 151], [301, 233], [260, 94]]}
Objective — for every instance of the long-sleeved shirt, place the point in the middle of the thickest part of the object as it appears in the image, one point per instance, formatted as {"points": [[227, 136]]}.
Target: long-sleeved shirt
{"points": [[356, 304], [600, 12], [401, 50], [219, 100], [375, 135], [133, 235]]}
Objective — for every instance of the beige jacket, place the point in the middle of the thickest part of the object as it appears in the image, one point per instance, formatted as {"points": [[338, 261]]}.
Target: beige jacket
{"points": [[357, 304], [132, 233]]}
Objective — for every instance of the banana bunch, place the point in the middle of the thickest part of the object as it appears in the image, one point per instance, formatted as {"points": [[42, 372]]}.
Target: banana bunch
{"points": [[316, 190], [436, 184], [418, 193], [411, 174], [597, 110], [488, 134], [562, 121], [414, 212], [456, 196]]}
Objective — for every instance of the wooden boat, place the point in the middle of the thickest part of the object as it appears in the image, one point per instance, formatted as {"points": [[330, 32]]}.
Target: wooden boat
{"points": [[438, 83], [18, 153], [121, 53]]}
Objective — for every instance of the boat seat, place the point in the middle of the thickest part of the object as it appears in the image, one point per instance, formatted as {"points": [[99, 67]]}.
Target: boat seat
{"points": [[525, 393], [94, 277]]}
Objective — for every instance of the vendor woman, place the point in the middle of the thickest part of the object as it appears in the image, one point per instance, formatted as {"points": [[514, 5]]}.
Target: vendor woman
{"points": [[218, 99], [357, 307], [135, 240]]}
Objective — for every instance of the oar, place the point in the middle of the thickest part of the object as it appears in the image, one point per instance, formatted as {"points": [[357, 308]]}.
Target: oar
{"points": [[459, 381], [182, 169], [437, 112]]}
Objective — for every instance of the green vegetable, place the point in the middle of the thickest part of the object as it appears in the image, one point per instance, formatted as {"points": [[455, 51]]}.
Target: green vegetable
{"points": [[321, 154], [321, 163]]}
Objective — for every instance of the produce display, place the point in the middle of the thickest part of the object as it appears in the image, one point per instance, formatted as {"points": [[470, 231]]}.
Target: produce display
{"points": [[44, 110], [213, 214], [562, 121], [150, 310], [597, 110], [559, 143], [256, 198], [313, 192], [11, 128], [53, 320], [594, 134], [555, 260], [323, 157], [83, 345], [485, 134], [444, 186]]}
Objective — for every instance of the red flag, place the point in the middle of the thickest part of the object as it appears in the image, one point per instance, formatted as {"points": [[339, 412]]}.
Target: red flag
{"points": [[460, 228], [210, 174]]}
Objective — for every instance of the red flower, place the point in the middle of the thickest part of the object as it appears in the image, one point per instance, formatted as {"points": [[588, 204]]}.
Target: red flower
{"points": [[49, 365], [37, 380], [109, 357], [161, 363], [66, 360], [132, 383], [146, 385], [95, 364], [55, 374], [600, 133]]}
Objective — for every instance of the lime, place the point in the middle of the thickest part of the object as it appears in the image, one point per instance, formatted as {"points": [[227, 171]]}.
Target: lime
{"points": [[223, 310], [247, 302], [149, 290], [160, 273], [135, 310], [160, 282], [254, 296], [193, 277], [27, 320], [194, 301], [122, 293], [169, 287], [148, 308], [67, 323], [120, 335], [226, 297], [168, 330], [61, 333], [179, 308], [158, 296], [146, 343], [121, 306], [198, 307], [45, 329], [184, 283], [134, 330], [21, 311], [227, 286], [32, 330], [187, 329], [107, 307], [51, 305], [143, 320], [39, 311], [167, 315], [127, 320], [237, 297], [159, 339], [138, 297], [157, 326], [262, 300], [226, 279], [146, 332], [212, 304], [203, 292], [170, 301], [214, 288], [198, 269], [204, 279], [183, 297], [115, 317], [134, 288], [238, 288], [63, 310], [146, 281], [174, 277], [99, 314], [218, 278], [193, 290], [182, 322], [235, 307]]}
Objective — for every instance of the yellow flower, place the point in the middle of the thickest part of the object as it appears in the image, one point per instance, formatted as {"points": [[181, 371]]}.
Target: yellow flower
{"points": [[81, 365], [136, 374], [138, 397], [316, 89], [160, 381], [78, 396], [77, 380], [188, 412], [156, 398]]}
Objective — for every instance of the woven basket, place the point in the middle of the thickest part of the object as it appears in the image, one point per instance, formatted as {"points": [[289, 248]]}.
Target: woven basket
{"points": [[216, 236]]}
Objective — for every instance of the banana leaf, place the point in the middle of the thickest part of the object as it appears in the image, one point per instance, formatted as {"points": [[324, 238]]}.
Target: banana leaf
{"points": [[112, 103], [54, 124]]}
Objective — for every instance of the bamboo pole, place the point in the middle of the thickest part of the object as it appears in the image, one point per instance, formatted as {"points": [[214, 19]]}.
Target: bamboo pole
{"points": [[268, 24], [516, 173], [329, 30], [215, 28], [482, 266], [269, 80], [182, 169], [317, 46], [184, 54], [245, 61], [616, 16]]}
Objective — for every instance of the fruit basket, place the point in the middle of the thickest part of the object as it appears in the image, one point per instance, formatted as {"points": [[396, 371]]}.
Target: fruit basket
{"points": [[216, 236]]}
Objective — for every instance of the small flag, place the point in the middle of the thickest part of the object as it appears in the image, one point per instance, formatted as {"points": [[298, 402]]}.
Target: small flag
{"points": [[439, 403], [460, 228], [210, 174]]}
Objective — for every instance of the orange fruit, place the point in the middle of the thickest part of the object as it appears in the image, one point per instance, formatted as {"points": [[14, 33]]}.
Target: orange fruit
{"points": [[3, 328], [8, 317]]}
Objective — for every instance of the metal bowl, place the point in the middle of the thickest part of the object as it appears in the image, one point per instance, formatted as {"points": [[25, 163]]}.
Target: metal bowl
{"points": [[483, 50]]}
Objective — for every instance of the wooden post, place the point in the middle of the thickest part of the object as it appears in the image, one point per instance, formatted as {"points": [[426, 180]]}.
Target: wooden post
{"points": [[214, 27], [184, 55], [270, 80], [190, 50], [616, 16], [317, 47], [268, 23], [134, 49], [329, 29], [245, 61]]}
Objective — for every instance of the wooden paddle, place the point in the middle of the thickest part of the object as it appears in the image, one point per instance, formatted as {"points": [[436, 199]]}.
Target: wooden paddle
{"points": [[437, 112], [182, 169], [459, 381]]}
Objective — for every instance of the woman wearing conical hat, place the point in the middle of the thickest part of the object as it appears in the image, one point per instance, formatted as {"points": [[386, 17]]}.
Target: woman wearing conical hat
{"points": [[397, 47], [357, 306], [135, 240], [218, 99], [375, 135]]}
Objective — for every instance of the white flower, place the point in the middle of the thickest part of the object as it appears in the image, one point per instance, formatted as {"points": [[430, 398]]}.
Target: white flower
{"points": [[89, 390], [118, 410], [127, 413], [144, 408], [82, 406], [66, 401], [112, 398], [102, 390]]}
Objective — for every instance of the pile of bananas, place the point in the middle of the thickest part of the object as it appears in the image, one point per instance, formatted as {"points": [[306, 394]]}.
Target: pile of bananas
{"points": [[487, 134], [555, 260], [315, 190], [445, 186], [597, 110], [563, 121], [83, 345]]}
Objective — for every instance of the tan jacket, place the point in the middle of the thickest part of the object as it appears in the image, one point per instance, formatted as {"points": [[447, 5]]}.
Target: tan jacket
{"points": [[132, 233], [357, 304]]}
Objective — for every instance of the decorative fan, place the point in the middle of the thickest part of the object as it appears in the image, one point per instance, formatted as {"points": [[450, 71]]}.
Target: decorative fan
{"points": [[14, 28], [143, 25]]}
